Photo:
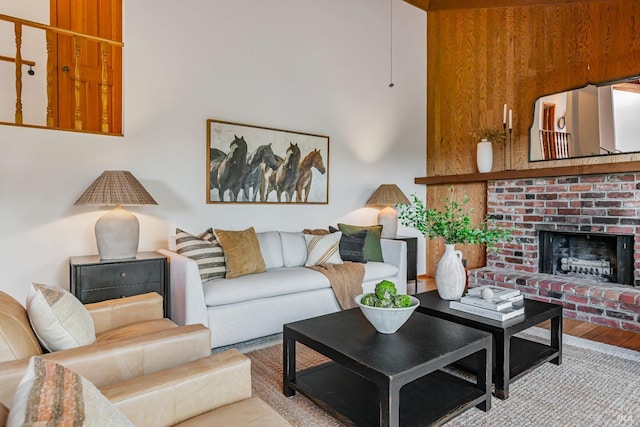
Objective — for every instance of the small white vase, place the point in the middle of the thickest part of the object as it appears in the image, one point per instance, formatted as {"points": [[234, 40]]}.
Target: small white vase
{"points": [[450, 274], [484, 156]]}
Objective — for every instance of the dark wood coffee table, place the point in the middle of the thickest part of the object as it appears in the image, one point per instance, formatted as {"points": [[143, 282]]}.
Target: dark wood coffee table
{"points": [[513, 356], [388, 380]]}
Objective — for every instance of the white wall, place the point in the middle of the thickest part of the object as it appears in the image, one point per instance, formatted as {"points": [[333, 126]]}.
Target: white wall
{"points": [[317, 66], [627, 126]]}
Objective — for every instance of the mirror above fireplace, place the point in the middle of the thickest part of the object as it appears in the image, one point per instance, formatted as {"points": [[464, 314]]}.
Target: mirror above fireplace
{"points": [[596, 120]]}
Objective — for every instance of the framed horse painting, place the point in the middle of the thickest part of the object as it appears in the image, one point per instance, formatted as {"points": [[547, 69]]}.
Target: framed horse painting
{"points": [[253, 164]]}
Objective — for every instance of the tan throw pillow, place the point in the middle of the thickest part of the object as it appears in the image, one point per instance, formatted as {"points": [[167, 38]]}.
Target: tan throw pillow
{"points": [[323, 249], [58, 318], [205, 250], [52, 395], [241, 252], [316, 231]]}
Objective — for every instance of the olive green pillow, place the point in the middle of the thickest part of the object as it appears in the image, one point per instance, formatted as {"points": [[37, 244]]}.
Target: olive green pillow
{"points": [[372, 247], [241, 252]]}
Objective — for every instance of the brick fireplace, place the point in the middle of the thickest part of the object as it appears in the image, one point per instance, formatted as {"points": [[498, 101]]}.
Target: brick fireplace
{"points": [[604, 207]]}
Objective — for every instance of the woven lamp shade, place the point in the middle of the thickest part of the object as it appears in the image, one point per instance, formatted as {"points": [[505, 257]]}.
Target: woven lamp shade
{"points": [[117, 231], [388, 195], [114, 188]]}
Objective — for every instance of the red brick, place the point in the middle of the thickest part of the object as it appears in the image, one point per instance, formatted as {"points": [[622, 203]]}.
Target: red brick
{"points": [[605, 321], [597, 302], [592, 310], [570, 314], [628, 326], [557, 286], [629, 298], [568, 306], [630, 307], [612, 295], [577, 298], [583, 290], [538, 298]]}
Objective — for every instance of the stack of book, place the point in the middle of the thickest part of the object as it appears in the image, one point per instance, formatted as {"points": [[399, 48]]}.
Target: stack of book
{"points": [[505, 303]]}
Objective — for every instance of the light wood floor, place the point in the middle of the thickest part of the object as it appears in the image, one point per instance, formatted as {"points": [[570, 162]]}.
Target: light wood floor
{"points": [[576, 328]]}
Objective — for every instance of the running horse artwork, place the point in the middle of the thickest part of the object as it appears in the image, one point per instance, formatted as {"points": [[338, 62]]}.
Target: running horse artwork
{"points": [[287, 173], [253, 164], [257, 164], [227, 171], [311, 160]]}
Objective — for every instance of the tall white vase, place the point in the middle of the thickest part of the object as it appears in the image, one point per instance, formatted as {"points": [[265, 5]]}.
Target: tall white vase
{"points": [[484, 156], [450, 274]]}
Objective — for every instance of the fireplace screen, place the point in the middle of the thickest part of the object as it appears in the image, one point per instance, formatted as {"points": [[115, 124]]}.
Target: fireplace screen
{"points": [[600, 257]]}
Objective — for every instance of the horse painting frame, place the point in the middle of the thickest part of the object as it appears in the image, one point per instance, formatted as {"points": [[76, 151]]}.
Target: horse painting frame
{"points": [[255, 164]]}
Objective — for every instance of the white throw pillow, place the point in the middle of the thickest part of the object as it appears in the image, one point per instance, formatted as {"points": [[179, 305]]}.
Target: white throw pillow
{"points": [[58, 318], [50, 394], [323, 249], [271, 249], [294, 249]]}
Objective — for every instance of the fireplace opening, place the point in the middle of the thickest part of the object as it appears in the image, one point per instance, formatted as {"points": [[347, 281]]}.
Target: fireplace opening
{"points": [[600, 257]]}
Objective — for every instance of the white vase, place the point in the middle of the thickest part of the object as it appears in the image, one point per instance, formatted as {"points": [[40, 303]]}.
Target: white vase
{"points": [[450, 274], [484, 156]]}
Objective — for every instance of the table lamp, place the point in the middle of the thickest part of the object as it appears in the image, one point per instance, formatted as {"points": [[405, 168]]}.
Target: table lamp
{"points": [[388, 195], [117, 231]]}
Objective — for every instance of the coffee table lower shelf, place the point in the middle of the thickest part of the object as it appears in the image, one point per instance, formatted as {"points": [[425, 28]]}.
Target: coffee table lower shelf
{"points": [[525, 355], [430, 400]]}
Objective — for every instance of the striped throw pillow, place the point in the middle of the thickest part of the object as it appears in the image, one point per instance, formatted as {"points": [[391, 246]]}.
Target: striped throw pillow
{"points": [[323, 249], [52, 395], [204, 250]]}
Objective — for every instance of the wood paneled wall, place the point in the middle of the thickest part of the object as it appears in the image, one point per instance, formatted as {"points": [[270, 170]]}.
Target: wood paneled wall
{"points": [[479, 58]]}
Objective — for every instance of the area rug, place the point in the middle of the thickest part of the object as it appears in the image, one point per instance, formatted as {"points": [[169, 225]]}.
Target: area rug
{"points": [[596, 385]]}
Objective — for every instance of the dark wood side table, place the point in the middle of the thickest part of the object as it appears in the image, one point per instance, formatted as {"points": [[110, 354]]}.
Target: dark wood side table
{"points": [[94, 279], [514, 356], [412, 256]]}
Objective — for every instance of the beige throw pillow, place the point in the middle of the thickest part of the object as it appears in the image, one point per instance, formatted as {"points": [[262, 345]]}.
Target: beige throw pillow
{"points": [[323, 249], [241, 252], [58, 318], [52, 395]]}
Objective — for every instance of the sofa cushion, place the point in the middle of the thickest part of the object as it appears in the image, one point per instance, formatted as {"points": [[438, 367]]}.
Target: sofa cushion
{"points": [[352, 246], [17, 340], [379, 271], [372, 247], [58, 318], [271, 249], [294, 249], [279, 281], [205, 250], [323, 249], [50, 394]]}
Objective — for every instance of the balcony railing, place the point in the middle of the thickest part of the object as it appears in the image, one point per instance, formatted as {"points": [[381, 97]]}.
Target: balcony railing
{"points": [[554, 145], [52, 72]]}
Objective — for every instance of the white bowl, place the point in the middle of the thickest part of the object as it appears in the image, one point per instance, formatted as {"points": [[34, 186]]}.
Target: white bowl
{"points": [[387, 320]]}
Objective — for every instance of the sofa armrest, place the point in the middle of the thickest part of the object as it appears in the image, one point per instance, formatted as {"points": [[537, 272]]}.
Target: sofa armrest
{"points": [[119, 312], [187, 294], [177, 394], [395, 252], [114, 361]]}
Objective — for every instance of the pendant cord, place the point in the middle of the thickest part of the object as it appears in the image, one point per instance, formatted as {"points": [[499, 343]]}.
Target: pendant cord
{"points": [[391, 43]]}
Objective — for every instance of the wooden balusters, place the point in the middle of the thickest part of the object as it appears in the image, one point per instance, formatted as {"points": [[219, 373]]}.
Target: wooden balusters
{"points": [[18, 32], [50, 78], [105, 87], [76, 80]]}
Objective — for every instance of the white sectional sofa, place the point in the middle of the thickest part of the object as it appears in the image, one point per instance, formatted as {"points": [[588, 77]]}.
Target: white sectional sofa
{"points": [[257, 305]]}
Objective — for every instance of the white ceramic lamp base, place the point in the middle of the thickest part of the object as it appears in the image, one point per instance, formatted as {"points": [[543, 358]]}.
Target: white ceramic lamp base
{"points": [[388, 218], [117, 234]]}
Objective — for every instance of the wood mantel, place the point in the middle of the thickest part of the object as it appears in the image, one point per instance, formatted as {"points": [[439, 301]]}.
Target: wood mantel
{"points": [[532, 173]]}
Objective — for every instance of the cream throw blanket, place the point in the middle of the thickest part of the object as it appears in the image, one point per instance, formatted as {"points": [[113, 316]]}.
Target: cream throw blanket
{"points": [[346, 281]]}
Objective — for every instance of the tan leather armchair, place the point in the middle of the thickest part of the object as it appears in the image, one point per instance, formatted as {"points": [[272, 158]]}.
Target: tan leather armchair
{"points": [[132, 340], [156, 373]]}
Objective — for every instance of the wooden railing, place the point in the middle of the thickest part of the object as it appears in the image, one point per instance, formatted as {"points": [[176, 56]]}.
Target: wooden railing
{"points": [[554, 145], [50, 32]]}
